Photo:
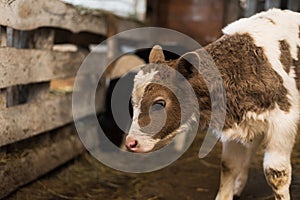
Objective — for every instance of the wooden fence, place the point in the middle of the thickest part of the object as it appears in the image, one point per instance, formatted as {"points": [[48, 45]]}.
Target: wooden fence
{"points": [[37, 133]]}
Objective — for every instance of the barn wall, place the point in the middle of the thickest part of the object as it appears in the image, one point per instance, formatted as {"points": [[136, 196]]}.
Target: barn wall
{"points": [[202, 19]]}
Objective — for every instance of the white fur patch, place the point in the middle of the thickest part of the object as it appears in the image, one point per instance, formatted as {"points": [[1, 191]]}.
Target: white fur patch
{"points": [[273, 124], [142, 80], [146, 142], [251, 127]]}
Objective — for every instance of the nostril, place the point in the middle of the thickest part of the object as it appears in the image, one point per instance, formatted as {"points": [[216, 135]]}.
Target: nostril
{"points": [[131, 143]]}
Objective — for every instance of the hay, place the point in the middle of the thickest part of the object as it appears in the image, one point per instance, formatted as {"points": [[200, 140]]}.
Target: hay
{"points": [[187, 178]]}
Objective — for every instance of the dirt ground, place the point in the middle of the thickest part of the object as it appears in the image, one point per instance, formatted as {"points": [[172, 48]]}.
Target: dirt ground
{"points": [[188, 178]]}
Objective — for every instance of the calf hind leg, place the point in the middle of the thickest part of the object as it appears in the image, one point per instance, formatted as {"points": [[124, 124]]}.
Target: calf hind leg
{"points": [[277, 168]]}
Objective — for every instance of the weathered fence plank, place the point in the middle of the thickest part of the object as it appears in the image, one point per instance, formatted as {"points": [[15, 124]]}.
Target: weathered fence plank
{"points": [[24, 121], [24, 66], [22, 15], [27, 120], [30, 159]]}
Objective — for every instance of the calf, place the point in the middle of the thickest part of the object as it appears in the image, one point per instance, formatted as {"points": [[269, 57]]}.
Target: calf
{"points": [[258, 59]]}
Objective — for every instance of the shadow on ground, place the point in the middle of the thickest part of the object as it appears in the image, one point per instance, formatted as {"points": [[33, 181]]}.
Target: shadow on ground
{"points": [[187, 178]]}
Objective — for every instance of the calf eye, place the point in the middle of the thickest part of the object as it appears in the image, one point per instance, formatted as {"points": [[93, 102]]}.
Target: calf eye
{"points": [[158, 105]]}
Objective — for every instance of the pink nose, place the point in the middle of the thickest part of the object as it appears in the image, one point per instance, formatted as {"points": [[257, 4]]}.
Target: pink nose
{"points": [[131, 144]]}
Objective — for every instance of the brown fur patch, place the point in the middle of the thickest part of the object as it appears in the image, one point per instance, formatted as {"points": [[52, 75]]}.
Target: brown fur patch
{"points": [[250, 82], [285, 56], [296, 63], [276, 178], [172, 109]]}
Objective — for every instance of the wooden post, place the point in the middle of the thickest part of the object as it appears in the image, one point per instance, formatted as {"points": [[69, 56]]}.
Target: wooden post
{"points": [[251, 8], [112, 45], [2, 44], [24, 39], [294, 5], [9, 37], [43, 38], [38, 92], [12, 97], [3, 155], [16, 39], [3, 36], [2, 99], [232, 11], [272, 4]]}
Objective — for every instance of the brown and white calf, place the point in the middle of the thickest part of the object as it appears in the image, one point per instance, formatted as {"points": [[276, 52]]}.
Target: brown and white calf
{"points": [[258, 59]]}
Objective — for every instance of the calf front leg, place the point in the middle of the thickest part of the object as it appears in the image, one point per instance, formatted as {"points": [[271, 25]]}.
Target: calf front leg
{"points": [[242, 177], [234, 156]]}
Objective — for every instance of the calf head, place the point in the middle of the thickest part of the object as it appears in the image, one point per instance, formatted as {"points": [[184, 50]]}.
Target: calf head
{"points": [[158, 113]]}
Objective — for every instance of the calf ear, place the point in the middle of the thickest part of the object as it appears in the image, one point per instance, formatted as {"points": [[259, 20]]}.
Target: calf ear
{"points": [[156, 54], [188, 63]]}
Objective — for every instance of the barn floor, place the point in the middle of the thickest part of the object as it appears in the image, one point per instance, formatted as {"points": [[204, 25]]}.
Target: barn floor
{"points": [[187, 178]]}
